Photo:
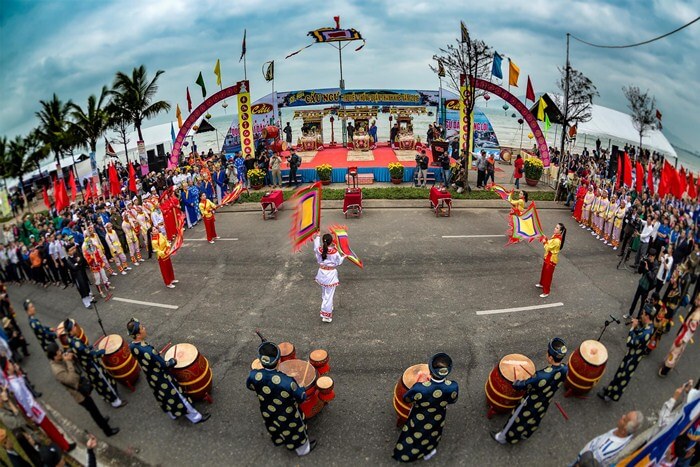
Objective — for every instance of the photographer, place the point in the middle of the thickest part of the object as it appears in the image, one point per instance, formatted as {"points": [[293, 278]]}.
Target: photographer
{"points": [[648, 268], [294, 162], [631, 227], [422, 162]]}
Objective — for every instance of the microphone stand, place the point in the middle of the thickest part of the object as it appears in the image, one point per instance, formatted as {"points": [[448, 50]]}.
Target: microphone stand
{"points": [[608, 322], [99, 319]]}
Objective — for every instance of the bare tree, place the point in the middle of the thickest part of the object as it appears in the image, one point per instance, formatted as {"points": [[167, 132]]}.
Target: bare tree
{"points": [[643, 108], [581, 94], [469, 57], [120, 121]]}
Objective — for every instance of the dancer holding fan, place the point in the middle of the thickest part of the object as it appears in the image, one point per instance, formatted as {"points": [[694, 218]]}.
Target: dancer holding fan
{"points": [[328, 259], [552, 247]]}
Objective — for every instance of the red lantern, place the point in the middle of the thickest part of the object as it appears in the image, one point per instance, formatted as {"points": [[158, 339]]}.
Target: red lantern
{"points": [[487, 96]]}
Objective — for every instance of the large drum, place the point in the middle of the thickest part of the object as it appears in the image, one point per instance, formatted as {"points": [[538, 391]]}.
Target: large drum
{"points": [[63, 337], [501, 397], [586, 367], [192, 371], [279, 146], [305, 375], [118, 360], [406, 381], [270, 132]]}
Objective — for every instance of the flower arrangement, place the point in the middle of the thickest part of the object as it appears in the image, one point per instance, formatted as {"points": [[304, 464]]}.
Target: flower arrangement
{"points": [[396, 170], [256, 177], [533, 168], [324, 171]]}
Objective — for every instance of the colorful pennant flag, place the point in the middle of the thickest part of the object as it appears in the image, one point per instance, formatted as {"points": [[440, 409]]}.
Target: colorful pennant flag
{"points": [[513, 73], [547, 123], [269, 72], [200, 82], [306, 220], [243, 47], [496, 66], [109, 150], [650, 178], [47, 202], [530, 92], [500, 191], [217, 72], [233, 195], [464, 32], [441, 69], [189, 100], [172, 132], [525, 226], [342, 242], [540, 109], [73, 187], [332, 34], [178, 114]]}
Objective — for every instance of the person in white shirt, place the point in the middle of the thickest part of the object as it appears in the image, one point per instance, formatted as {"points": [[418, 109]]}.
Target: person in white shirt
{"points": [[665, 264], [607, 445], [57, 251], [644, 238]]}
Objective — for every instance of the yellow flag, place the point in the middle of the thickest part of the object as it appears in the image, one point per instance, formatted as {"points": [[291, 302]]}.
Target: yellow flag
{"points": [[217, 72], [513, 73], [540, 109], [178, 114]]}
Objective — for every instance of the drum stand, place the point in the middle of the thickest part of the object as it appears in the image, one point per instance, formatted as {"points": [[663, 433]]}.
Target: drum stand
{"points": [[606, 324], [99, 319]]}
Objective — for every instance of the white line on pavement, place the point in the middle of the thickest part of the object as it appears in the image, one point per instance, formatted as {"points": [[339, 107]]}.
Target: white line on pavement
{"points": [[520, 308], [472, 236], [138, 302], [204, 239]]}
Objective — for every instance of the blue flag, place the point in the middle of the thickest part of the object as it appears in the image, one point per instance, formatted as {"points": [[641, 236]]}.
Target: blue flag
{"points": [[172, 132], [496, 67]]}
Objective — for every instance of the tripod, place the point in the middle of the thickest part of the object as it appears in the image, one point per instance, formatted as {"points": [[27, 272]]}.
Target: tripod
{"points": [[99, 319]]}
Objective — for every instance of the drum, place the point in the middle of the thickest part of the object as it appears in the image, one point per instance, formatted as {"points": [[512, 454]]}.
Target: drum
{"points": [[406, 381], [319, 359], [270, 132], [192, 370], [305, 375], [63, 337], [586, 367], [256, 365], [325, 388], [506, 155], [118, 360], [287, 351], [501, 397], [279, 146]]}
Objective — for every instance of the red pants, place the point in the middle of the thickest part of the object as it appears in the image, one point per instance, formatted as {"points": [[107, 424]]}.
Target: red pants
{"points": [[546, 276], [210, 227], [166, 269], [53, 433]]}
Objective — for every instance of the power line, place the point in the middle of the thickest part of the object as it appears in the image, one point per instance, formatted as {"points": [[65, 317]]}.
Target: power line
{"points": [[638, 43]]}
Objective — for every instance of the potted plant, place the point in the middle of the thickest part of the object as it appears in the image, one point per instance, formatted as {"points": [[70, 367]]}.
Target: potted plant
{"points": [[396, 172], [324, 173], [533, 170], [256, 177]]}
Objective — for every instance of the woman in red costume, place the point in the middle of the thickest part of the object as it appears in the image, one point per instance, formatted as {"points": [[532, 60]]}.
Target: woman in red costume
{"points": [[552, 247], [580, 194], [161, 247]]}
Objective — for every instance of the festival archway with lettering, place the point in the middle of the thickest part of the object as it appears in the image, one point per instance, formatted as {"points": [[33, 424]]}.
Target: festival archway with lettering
{"points": [[522, 110]]}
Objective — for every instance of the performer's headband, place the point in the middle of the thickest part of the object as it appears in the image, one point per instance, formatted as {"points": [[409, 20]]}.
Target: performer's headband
{"points": [[134, 327], [557, 349]]}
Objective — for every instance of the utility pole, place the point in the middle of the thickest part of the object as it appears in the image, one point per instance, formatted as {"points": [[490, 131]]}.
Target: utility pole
{"points": [[563, 162], [343, 121]]}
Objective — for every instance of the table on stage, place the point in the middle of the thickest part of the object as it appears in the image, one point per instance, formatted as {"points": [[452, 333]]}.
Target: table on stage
{"points": [[270, 204], [440, 202], [352, 202]]}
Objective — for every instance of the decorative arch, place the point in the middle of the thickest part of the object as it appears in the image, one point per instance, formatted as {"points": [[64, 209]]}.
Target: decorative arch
{"points": [[522, 110], [200, 110]]}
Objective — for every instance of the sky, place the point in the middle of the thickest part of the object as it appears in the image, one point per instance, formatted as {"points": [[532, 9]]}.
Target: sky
{"points": [[73, 48]]}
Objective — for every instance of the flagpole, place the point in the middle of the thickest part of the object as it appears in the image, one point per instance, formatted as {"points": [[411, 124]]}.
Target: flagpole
{"points": [[245, 67]]}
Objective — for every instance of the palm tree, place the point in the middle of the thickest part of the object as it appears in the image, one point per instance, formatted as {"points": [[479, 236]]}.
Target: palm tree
{"points": [[54, 126], [16, 162], [35, 149], [90, 125], [136, 94]]}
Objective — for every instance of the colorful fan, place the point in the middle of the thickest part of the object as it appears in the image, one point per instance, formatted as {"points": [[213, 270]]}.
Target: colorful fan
{"points": [[180, 236], [524, 226], [233, 196], [307, 215], [500, 191], [342, 241]]}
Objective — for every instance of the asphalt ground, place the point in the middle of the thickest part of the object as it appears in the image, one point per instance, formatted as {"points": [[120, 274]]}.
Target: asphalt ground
{"points": [[418, 294]]}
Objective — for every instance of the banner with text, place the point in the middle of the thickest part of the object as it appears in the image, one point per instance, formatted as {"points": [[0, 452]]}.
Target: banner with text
{"points": [[245, 120], [368, 97]]}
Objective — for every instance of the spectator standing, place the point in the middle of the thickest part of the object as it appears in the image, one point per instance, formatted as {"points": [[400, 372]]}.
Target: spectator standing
{"points": [[276, 170], [422, 162], [481, 169], [490, 169], [607, 445], [288, 133], [518, 170]]}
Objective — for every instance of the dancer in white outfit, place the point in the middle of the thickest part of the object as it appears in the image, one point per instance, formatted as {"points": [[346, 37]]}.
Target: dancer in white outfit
{"points": [[328, 259]]}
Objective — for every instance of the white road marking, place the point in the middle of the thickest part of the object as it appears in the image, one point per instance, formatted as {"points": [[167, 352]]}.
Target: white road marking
{"points": [[217, 240], [472, 236], [138, 302], [520, 308]]}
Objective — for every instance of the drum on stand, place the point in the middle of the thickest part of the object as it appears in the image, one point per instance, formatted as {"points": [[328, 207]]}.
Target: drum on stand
{"points": [[320, 360], [63, 337], [192, 371], [287, 351], [118, 360], [325, 386], [586, 368], [305, 375], [501, 396], [270, 132], [406, 381]]}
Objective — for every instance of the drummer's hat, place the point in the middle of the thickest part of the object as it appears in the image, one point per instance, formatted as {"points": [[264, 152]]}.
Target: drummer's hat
{"points": [[557, 349], [440, 365], [68, 325], [269, 354]]}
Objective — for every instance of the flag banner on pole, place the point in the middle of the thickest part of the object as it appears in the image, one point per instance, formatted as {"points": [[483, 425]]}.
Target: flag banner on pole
{"points": [[342, 242], [132, 179], [332, 34], [500, 191], [639, 180], [217, 72], [524, 226], [306, 220], [233, 195], [513, 73], [530, 92], [245, 120], [464, 32], [73, 187], [540, 109], [109, 150], [650, 178], [243, 46], [178, 114], [200, 81], [189, 100], [269, 71], [547, 123], [463, 117], [496, 66], [47, 202], [441, 69], [172, 132]]}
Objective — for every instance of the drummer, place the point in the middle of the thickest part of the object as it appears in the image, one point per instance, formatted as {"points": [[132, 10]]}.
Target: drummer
{"points": [[44, 335], [156, 369], [89, 360], [540, 389], [280, 396], [422, 431]]}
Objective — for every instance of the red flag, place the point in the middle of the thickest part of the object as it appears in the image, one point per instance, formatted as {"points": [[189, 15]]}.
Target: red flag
{"points": [[88, 192], [650, 178], [620, 169], [57, 195], [189, 100], [47, 202], [62, 195], [628, 169], [73, 187], [692, 191], [132, 179], [682, 182], [114, 185], [95, 191], [530, 93], [658, 115], [640, 178], [669, 179]]}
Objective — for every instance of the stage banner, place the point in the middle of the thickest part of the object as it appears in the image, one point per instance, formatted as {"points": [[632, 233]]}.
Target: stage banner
{"points": [[264, 112], [5, 208], [143, 157], [463, 118], [245, 120], [380, 97]]}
